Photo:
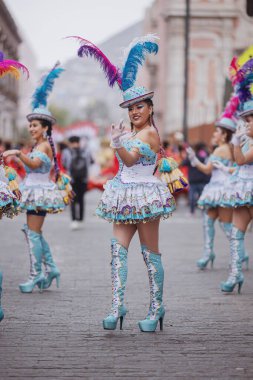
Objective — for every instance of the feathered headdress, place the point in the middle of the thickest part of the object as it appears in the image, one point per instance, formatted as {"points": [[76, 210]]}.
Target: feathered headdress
{"points": [[231, 107], [241, 75], [39, 98], [41, 93], [135, 56], [229, 116], [88, 49], [9, 66]]}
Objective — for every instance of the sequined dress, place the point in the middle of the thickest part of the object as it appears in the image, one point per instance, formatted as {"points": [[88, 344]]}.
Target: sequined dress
{"points": [[135, 194], [239, 191], [8, 201], [213, 193], [38, 191]]}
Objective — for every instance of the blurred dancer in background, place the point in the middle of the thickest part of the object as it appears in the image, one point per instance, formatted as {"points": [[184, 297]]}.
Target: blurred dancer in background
{"points": [[211, 197], [40, 195], [9, 193]]}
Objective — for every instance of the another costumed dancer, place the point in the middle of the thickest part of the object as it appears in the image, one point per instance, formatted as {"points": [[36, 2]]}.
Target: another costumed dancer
{"points": [[239, 194], [134, 200], [9, 192], [40, 195], [211, 197]]}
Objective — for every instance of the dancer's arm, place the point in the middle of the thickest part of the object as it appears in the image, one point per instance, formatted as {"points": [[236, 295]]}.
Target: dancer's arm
{"points": [[204, 168], [32, 163], [243, 158]]}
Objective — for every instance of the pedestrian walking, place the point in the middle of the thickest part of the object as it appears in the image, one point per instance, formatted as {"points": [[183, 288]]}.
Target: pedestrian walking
{"points": [[77, 160], [134, 200], [197, 179], [40, 195]]}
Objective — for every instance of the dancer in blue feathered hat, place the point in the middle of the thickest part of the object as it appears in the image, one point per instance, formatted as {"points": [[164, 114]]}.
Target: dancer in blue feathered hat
{"points": [[40, 195], [134, 200]]}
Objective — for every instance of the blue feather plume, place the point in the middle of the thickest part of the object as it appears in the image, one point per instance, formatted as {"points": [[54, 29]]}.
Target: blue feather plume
{"points": [[136, 56], [41, 93]]}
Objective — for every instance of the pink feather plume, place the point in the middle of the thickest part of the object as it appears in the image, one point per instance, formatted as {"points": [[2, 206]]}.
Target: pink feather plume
{"points": [[87, 48], [6, 65], [231, 107]]}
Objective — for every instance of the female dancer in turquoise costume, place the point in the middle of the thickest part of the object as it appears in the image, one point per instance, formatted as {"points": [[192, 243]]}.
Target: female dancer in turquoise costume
{"points": [[40, 195], [9, 194], [239, 194], [134, 200], [210, 199]]}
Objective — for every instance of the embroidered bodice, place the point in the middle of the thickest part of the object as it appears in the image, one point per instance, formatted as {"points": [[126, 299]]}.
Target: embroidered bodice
{"points": [[39, 177], [45, 160], [246, 147], [143, 169], [224, 161], [219, 175]]}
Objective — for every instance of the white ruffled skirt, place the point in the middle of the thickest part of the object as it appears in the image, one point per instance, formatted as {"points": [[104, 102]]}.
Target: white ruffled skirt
{"points": [[135, 202], [43, 196], [239, 191], [214, 191], [8, 201]]}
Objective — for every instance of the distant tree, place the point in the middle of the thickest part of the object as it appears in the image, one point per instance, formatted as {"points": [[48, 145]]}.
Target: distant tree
{"points": [[61, 115], [97, 111]]}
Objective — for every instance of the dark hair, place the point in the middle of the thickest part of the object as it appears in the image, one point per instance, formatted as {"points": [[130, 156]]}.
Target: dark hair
{"points": [[74, 139], [228, 134], [7, 145], [48, 124]]}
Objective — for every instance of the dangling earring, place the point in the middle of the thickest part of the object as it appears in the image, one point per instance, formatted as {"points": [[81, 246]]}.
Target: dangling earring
{"points": [[44, 134], [150, 119]]}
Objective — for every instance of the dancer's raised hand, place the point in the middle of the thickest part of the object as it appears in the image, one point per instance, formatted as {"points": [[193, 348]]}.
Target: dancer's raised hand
{"points": [[117, 131], [240, 132], [192, 156]]}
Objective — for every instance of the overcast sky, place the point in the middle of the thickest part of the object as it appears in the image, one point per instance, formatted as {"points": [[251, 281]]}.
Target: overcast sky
{"points": [[45, 22]]}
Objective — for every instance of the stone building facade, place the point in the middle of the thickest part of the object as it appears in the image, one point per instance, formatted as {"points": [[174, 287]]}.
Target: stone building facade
{"points": [[9, 43], [219, 29]]}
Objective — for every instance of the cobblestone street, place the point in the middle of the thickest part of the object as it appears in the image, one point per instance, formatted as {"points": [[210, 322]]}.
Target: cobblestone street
{"points": [[58, 334]]}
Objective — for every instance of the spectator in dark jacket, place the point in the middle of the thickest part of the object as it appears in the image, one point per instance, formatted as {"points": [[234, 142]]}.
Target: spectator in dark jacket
{"points": [[197, 179], [76, 160]]}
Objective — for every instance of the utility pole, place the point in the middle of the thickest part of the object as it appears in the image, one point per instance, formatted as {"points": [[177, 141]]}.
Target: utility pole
{"points": [[186, 68]]}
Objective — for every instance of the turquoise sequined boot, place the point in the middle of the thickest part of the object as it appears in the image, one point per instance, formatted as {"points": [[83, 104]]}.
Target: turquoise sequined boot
{"points": [[35, 252], [208, 243], [236, 251], [156, 275], [52, 272], [227, 228], [119, 278], [1, 310]]}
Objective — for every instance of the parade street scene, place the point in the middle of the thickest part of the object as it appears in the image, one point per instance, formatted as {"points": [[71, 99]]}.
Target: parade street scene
{"points": [[126, 189]]}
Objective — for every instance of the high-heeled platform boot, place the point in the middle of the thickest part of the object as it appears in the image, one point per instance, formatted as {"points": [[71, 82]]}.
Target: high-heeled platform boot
{"points": [[236, 252], [52, 272], [156, 276], [209, 233], [226, 228], [1, 309], [36, 277], [119, 278]]}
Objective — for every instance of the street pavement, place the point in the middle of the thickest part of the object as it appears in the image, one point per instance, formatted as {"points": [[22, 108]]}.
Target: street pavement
{"points": [[58, 334]]}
